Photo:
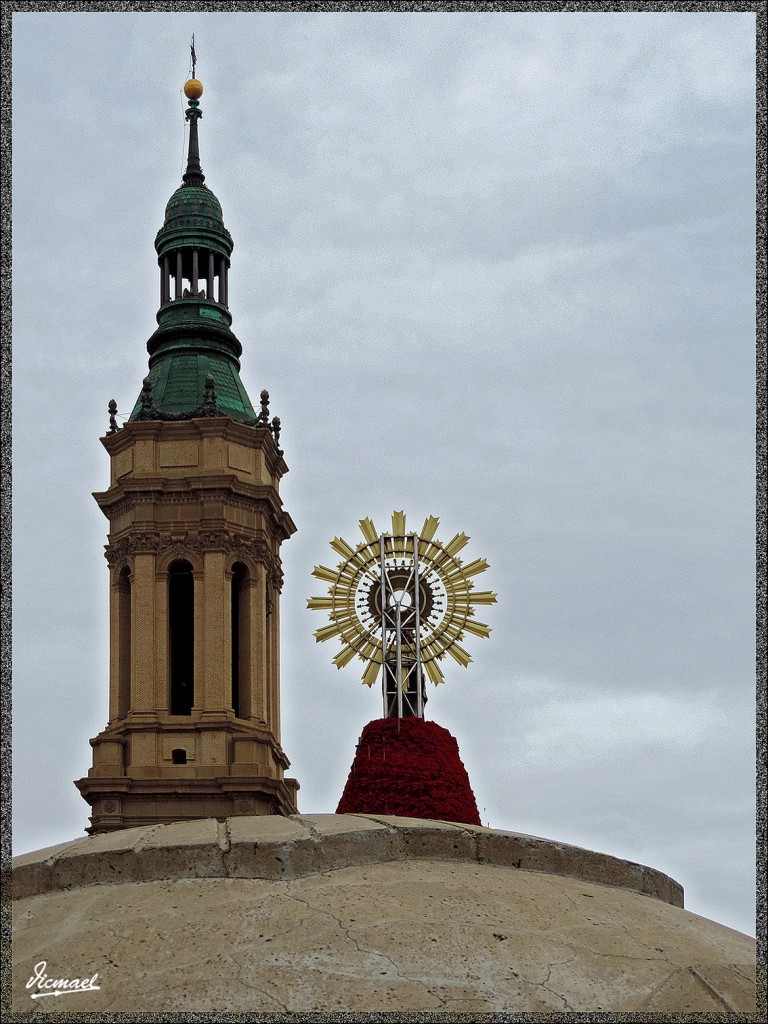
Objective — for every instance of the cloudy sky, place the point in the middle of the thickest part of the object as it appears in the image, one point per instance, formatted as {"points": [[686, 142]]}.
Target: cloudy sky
{"points": [[493, 267]]}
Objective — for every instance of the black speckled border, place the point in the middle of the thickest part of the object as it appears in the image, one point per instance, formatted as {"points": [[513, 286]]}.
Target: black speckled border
{"points": [[6, 12]]}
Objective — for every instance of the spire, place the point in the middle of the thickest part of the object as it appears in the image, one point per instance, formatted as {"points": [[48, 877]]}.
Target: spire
{"points": [[193, 90], [194, 338]]}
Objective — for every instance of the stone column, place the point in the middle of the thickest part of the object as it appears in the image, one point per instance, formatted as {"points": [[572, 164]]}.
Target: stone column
{"points": [[258, 647], [193, 284], [216, 658], [198, 700], [209, 293], [115, 646], [124, 616], [144, 624], [178, 274], [162, 695], [223, 286], [248, 640], [274, 669]]}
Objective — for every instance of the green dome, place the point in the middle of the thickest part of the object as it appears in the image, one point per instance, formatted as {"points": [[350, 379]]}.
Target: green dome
{"points": [[192, 201], [178, 384], [193, 217]]}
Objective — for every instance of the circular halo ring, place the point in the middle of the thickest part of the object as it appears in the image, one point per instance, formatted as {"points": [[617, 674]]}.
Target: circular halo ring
{"points": [[363, 571], [445, 594]]}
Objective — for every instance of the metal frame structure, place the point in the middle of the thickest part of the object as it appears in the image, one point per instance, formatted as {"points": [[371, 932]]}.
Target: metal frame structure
{"points": [[402, 676]]}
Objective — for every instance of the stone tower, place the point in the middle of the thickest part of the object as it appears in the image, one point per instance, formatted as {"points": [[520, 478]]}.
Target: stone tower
{"points": [[195, 528]]}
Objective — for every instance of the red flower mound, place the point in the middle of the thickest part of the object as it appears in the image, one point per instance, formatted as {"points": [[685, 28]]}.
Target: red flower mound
{"points": [[414, 771]]}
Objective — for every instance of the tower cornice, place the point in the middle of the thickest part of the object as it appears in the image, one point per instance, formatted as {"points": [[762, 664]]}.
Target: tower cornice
{"points": [[209, 426]]}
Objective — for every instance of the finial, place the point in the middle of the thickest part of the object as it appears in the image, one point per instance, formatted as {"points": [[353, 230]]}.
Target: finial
{"points": [[210, 408], [193, 90], [113, 427], [264, 415], [147, 401], [276, 433]]}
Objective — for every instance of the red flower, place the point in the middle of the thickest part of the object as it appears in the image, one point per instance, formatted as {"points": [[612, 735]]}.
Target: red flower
{"points": [[409, 767]]}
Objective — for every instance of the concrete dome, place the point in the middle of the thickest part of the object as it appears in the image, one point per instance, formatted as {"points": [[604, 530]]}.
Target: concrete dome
{"points": [[362, 913]]}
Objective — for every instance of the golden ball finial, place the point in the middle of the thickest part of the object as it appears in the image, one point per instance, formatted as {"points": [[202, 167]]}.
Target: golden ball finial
{"points": [[193, 89]]}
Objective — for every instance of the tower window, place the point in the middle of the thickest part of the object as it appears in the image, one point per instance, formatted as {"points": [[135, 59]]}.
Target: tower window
{"points": [[181, 624], [240, 641], [179, 756]]}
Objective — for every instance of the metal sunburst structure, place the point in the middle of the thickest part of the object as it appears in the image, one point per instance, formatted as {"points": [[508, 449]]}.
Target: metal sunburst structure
{"points": [[402, 600]]}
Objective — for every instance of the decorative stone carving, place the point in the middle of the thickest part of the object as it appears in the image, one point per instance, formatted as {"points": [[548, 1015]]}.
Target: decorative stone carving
{"points": [[276, 575], [179, 546], [113, 426], [206, 407]]}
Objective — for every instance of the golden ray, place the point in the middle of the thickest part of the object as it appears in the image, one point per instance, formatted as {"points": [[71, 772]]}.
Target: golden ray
{"points": [[344, 657], [371, 673], [344, 549], [320, 572], [368, 650], [459, 654], [479, 565], [434, 673], [348, 635], [456, 544], [428, 649], [327, 632], [368, 530], [358, 559], [477, 628], [320, 604], [346, 573], [398, 524], [428, 530]]}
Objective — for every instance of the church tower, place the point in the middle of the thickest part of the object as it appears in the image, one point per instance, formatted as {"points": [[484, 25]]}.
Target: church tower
{"points": [[195, 528]]}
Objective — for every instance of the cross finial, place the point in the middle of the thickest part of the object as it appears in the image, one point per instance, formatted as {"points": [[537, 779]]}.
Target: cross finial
{"points": [[193, 90]]}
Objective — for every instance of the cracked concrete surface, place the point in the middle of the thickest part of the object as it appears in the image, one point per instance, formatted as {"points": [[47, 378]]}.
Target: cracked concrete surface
{"points": [[363, 913]]}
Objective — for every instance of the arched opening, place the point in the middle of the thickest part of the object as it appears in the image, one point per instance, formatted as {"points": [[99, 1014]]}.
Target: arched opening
{"points": [[241, 638], [124, 643], [179, 756], [181, 625], [193, 273]]}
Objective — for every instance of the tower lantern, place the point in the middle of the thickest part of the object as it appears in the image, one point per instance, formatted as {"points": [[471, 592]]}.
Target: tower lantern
{"points": [[195, 528]]}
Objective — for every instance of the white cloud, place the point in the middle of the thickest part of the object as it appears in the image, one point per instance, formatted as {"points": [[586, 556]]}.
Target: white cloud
{"points": [[584, 722]]}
